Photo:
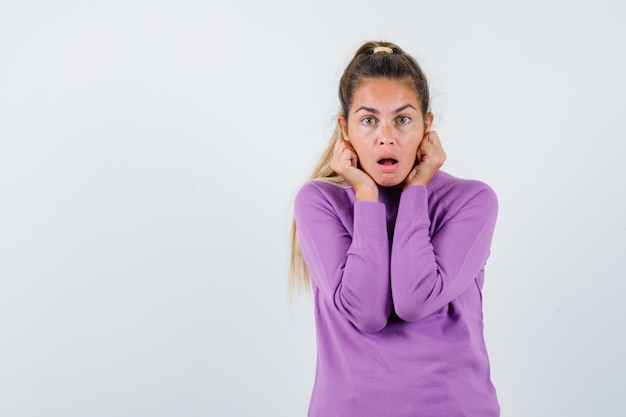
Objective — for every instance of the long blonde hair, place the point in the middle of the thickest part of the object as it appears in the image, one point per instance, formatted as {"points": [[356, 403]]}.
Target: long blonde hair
{"points": [[367, 63], [299, 274]]}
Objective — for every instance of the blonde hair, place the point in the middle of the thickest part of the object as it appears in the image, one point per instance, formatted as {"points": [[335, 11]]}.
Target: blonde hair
{"points": [[372, 60], [299, 274]]}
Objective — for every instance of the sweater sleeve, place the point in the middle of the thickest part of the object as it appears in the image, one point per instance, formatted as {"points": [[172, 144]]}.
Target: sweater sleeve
{"points": [[350, 268], [428, 272]]}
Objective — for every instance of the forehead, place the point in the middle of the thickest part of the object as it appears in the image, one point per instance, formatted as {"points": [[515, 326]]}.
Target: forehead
{"points": [[382, 93]]}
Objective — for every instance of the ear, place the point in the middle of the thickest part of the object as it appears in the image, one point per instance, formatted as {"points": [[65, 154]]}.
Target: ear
{"points": [[343, 126], [428, 121]]}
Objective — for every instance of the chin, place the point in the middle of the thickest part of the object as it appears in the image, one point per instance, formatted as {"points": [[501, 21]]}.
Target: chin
{"points": [[389, 183]]}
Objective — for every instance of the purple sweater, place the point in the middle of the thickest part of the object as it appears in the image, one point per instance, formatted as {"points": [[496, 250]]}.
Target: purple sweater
{"points": [[398, 303]]}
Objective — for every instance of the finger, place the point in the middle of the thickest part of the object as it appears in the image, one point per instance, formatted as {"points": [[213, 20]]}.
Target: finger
{"points": [[351, 153], [345, 158], [432, 148], [433, 138], [352, 156], [420, 154], [426, 146], [431, 144]]}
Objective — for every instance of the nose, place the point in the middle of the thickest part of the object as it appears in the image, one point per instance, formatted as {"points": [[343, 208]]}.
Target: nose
{"points": [[386, 135]]}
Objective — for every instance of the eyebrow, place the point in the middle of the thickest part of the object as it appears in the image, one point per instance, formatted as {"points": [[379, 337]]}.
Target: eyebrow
{"points": [[374, 111]]}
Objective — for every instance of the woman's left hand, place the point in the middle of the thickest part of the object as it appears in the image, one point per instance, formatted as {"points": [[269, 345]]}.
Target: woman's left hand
{"points": [[430, 156]]}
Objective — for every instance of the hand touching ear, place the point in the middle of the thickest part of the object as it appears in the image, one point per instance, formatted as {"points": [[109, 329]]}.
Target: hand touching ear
{"points": [[430, 156], [345, 163]]}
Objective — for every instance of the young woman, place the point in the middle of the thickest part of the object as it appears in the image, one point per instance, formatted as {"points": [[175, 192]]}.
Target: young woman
{"points": [[394, 250]]}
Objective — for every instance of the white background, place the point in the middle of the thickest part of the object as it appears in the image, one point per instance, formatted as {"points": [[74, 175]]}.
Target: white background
{"points": [[150, 151]]}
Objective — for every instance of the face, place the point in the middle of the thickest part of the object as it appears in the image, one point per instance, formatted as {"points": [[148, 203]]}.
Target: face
{"points": [[385, 127]]}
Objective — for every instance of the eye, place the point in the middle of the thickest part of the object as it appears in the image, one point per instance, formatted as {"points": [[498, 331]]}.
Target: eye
{"points": [[368, 121], [404, 120]]}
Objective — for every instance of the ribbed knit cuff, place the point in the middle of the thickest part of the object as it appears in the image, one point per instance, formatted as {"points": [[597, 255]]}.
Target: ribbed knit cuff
{"points": [[413, 206], [370, 220]]}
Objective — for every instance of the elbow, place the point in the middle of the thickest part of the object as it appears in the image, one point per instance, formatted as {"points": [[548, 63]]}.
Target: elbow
{"points": [[371, 324], [366, 317], [367, 314], [409, 312], [414, 302], [413, 311], [412, 307]]}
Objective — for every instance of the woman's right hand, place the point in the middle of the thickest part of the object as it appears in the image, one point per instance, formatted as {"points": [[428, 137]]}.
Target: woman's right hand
{"points": [[345, 163]]}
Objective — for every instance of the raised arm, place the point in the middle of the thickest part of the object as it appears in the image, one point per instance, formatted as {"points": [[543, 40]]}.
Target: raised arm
{"points": [[430, 270], [347, 254]]}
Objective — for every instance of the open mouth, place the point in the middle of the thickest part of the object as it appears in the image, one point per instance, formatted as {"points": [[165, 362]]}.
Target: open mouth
{"points": [[387, 161]]}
